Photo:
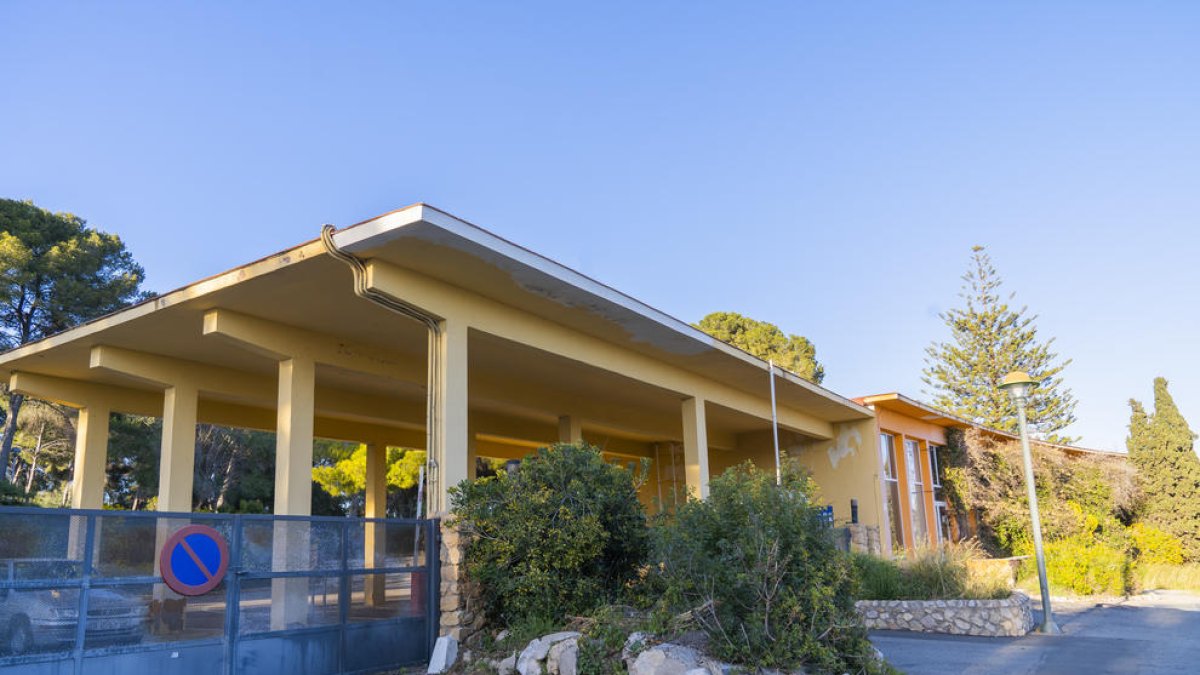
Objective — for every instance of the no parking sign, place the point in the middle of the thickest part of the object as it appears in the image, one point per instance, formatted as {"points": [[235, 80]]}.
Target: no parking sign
{"points": [[194, 560]]}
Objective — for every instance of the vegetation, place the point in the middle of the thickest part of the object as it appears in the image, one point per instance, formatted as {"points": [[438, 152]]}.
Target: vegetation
{"points": [[560, 536], [1161, 447], [344, 477], [951, 571], [757, 570], [1153, 576], [55, 272], [989, 339], [767, 342]]}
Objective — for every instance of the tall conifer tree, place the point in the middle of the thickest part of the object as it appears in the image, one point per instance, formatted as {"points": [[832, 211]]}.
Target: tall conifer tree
{"points": [[1168, 471], [990, 339]]}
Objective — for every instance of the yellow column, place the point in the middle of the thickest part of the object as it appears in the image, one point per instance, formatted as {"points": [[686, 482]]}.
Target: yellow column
{"points": [[293, 490], [453, 452], [294, 437], [374, 535], [695, 447], [177, 462], [570, 429], [91, 457]]}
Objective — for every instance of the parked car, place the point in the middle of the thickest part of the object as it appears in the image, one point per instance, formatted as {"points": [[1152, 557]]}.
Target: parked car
{"points": [[45, 618]]}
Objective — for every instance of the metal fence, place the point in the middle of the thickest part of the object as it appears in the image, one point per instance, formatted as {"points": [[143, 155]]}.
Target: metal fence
{"points": [[81, 592]]}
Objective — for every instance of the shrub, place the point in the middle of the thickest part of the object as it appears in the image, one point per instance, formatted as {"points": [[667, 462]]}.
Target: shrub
{"points": [[12, 495], [758, 571], [950, 571], [560, 536], [878, 579], [1084, 566], [1153, 546]]}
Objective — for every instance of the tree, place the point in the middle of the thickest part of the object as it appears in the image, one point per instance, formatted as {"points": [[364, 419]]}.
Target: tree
{"points": [[55, 272], [767, 342], [344, 477], [990, 339], [1161, 447]]}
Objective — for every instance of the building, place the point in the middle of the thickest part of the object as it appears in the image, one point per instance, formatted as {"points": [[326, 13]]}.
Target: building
{"points": [[911, 436], [418, 329]]}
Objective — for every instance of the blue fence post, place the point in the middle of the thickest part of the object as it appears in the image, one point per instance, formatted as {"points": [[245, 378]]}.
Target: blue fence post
{"points": [[344, 595], [85, 583], [233, 594], [433, 573]]}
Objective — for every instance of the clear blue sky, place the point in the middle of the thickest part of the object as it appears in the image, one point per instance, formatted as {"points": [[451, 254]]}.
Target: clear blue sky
{"points": [[825, 166]]}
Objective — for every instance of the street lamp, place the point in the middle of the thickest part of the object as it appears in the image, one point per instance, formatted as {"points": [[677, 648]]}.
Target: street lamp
{"points": [[1017, 384]]}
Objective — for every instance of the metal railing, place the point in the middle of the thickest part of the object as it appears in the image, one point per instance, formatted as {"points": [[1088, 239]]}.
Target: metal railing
{"points": [[309, 594]]}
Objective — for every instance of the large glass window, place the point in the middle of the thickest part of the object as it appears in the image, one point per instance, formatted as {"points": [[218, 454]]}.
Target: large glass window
{"points": [[891, 488], [916, 479], [939, 497]]}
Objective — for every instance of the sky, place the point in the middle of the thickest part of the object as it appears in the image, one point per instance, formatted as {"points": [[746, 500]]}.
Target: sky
{"points": [[823, 166]]}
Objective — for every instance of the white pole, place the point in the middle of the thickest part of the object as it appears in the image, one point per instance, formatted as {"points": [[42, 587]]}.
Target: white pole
{"points": [[775, 424]]}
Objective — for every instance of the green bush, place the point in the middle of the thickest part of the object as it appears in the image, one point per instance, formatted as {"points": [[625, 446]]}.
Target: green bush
{"points": [[878, 579], [562, 535], [1084, 566], [1153, 546], [756, 568], [12, 495]]}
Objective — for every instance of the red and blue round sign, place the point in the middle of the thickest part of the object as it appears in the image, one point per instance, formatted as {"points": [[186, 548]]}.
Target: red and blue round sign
{"points": [[194, 560]]}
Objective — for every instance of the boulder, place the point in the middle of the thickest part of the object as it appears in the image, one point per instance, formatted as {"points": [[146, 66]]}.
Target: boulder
{"points": [[530, 660], [445, 653], [668, 659], [563, 658]]}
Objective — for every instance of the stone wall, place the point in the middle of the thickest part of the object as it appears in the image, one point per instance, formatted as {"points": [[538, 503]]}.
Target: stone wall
{"points": [[864, 539], [994, 618], [460, 615]]}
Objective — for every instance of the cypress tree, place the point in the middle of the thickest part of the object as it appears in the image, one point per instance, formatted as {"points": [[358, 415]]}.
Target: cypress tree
{"points": [[990, 339], [1168, 471]]}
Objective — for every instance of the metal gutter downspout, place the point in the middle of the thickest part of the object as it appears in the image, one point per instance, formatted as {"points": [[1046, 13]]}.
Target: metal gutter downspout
{"points": [[775, 424], [434, 402]]}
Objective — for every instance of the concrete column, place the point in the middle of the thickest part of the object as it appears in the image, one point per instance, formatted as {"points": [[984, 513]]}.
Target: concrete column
{"points": [[294, 437], [570, 429], [453, 452], [374, 536], [177, 460], [293, 490], [91, 457], [695, 447]]}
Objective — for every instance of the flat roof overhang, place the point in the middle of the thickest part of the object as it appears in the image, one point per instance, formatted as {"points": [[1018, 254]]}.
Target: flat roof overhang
{"points": [[303, 287]]}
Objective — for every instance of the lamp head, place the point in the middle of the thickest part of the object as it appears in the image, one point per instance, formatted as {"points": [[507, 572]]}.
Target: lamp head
{"points": [[1017, 384]]}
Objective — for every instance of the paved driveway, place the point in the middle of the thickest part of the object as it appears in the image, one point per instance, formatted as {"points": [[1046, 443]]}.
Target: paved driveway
{"points": [[1156, 632]]}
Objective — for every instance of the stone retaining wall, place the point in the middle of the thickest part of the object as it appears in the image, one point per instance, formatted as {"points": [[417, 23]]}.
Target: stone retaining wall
{"points": [[994, 618]]}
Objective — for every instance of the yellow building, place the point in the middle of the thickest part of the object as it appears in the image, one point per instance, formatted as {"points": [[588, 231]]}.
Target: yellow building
{"points": [[418, 329], [910, 435]]}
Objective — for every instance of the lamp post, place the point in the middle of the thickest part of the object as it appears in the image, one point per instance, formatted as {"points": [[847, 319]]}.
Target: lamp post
{"points": [[1017, 384]]}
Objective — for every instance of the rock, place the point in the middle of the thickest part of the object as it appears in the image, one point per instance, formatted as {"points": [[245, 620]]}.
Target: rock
{"points": [[697, 671], [666, 659], [501, 635], [445, 653], [633, 645], [506, 666], [529, 662], [563, 657]]}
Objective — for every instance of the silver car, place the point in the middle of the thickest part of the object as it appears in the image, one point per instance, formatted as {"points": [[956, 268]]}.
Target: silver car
{"points": [[33, 619]]}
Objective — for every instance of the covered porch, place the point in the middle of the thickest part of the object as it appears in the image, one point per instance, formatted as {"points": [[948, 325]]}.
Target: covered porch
{"points": [[514, 352]]}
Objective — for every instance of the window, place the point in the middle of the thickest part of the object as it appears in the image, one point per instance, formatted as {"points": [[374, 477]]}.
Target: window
{"points": [[939, 497], [891, 488], [916, 494]]}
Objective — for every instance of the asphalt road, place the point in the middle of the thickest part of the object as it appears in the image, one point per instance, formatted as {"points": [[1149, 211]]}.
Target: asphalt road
{"points": [[1156, 632]]}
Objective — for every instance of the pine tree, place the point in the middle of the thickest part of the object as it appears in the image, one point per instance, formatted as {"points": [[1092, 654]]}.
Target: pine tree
{"points": [[990, 339], [766, 341], [1168, 471]]}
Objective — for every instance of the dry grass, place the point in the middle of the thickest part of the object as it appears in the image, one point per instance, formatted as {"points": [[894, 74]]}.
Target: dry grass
{"points": [[1172, 577]]}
